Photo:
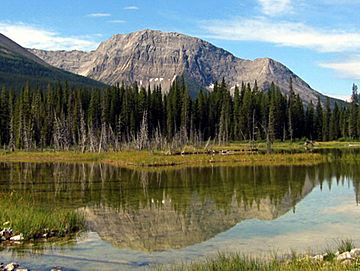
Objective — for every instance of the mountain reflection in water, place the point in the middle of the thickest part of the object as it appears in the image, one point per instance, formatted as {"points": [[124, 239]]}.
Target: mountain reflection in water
{"points": [[156, 211]]}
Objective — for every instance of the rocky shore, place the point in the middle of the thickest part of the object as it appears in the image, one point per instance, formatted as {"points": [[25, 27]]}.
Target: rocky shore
{"points": [[16, 267], [346, 257], [9, 236]]}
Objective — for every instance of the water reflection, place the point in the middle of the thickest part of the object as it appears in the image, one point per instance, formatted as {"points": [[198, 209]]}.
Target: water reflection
{"points": [[156, 211]]}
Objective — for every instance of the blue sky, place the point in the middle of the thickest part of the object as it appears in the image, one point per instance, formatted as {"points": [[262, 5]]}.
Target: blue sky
{"points": [[318, 40]]}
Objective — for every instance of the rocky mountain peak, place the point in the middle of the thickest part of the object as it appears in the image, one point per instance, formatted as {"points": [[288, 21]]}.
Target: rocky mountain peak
{"points": [[153, 57]]}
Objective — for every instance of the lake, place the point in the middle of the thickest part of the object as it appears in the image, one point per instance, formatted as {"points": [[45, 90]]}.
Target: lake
{"points": [[141, 219]]}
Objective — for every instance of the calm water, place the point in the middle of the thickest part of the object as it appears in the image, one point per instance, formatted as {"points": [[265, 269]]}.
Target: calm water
{"points": [[139, 219]]}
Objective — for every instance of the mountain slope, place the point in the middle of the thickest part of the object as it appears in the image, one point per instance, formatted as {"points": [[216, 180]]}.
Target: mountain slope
{"points": [[18, 66], [152, 57]]}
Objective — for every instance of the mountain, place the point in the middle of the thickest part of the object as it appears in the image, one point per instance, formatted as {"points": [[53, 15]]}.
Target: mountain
{"points": [[153, 57], [18, 66]]}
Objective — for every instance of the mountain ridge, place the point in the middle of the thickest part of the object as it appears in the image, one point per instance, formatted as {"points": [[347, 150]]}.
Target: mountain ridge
{"points": [[153, 57], [19, 66]]}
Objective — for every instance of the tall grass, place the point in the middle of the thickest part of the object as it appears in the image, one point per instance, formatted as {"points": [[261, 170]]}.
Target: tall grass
{"points": [[34, 221]]}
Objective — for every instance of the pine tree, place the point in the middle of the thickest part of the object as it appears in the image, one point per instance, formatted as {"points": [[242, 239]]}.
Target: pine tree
{"points": [[185, 114], [237, 134], [326, 121], [310, 121], [353, 112], [291, 111], [318, 121], [4, 117], [225, 119], [334, 126]]}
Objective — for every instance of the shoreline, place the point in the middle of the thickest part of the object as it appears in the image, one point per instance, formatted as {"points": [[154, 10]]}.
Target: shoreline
{"points": [[149, 160], [343, 258], [233, 154], [346, 257]]}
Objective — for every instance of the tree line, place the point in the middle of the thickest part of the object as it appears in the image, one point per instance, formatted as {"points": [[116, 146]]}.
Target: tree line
{"points": [[65, 117]]}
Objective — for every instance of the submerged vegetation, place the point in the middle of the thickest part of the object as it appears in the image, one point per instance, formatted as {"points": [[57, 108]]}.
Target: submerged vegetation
{"points": [[35, 222]]}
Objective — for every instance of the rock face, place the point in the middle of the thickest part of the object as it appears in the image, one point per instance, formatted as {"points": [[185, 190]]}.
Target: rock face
{"points": [[66, 60], [154, 57]]}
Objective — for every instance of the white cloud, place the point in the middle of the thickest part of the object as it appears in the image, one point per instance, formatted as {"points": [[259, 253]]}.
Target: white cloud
{"points": [[131, 8], [117, 21], [99, 14], [284, 33], [349, 68], [33, 37], [346, 98], [275, 7]]}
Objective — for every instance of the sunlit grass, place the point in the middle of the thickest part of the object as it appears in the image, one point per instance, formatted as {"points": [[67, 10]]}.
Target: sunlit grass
{"points": [[33, 221], [237, 153], [132, 159]]}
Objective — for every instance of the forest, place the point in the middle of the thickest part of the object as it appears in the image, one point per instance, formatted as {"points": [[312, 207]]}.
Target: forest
{"points": [[64, 117]]}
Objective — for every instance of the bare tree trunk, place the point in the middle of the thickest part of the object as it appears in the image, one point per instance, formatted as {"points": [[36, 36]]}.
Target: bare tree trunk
{"points": [[143, 135], [91, 140], [57, 134], [12, 137], [83, 137], [101, 139]]}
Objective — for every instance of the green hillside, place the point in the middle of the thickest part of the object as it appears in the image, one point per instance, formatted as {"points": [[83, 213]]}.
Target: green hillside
{"points": [[17, 68]]}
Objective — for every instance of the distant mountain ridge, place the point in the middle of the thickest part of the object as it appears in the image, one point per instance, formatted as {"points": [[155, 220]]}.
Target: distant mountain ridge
{"points": [[18, 66], [152, 57]]}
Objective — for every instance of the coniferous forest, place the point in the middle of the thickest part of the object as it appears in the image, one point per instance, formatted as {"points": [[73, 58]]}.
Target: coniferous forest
{"points": [[63, 117]]}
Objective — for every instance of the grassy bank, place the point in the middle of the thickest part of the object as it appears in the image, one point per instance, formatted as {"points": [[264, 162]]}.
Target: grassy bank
{"points": [[241, 263], [35, 222]]}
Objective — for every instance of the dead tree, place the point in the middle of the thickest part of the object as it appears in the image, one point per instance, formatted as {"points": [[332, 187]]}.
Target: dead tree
{"points": [[83, 137], [142, 140]]}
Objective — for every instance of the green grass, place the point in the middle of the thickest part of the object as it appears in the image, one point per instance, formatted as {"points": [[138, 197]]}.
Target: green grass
{"points": [[345, 245], [239, 263], [329, 255], [33, 221]]}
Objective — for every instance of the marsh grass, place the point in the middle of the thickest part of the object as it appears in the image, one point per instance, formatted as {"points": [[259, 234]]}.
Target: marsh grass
{"points": [[239, 154], [33, 221], [151, 160]]}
